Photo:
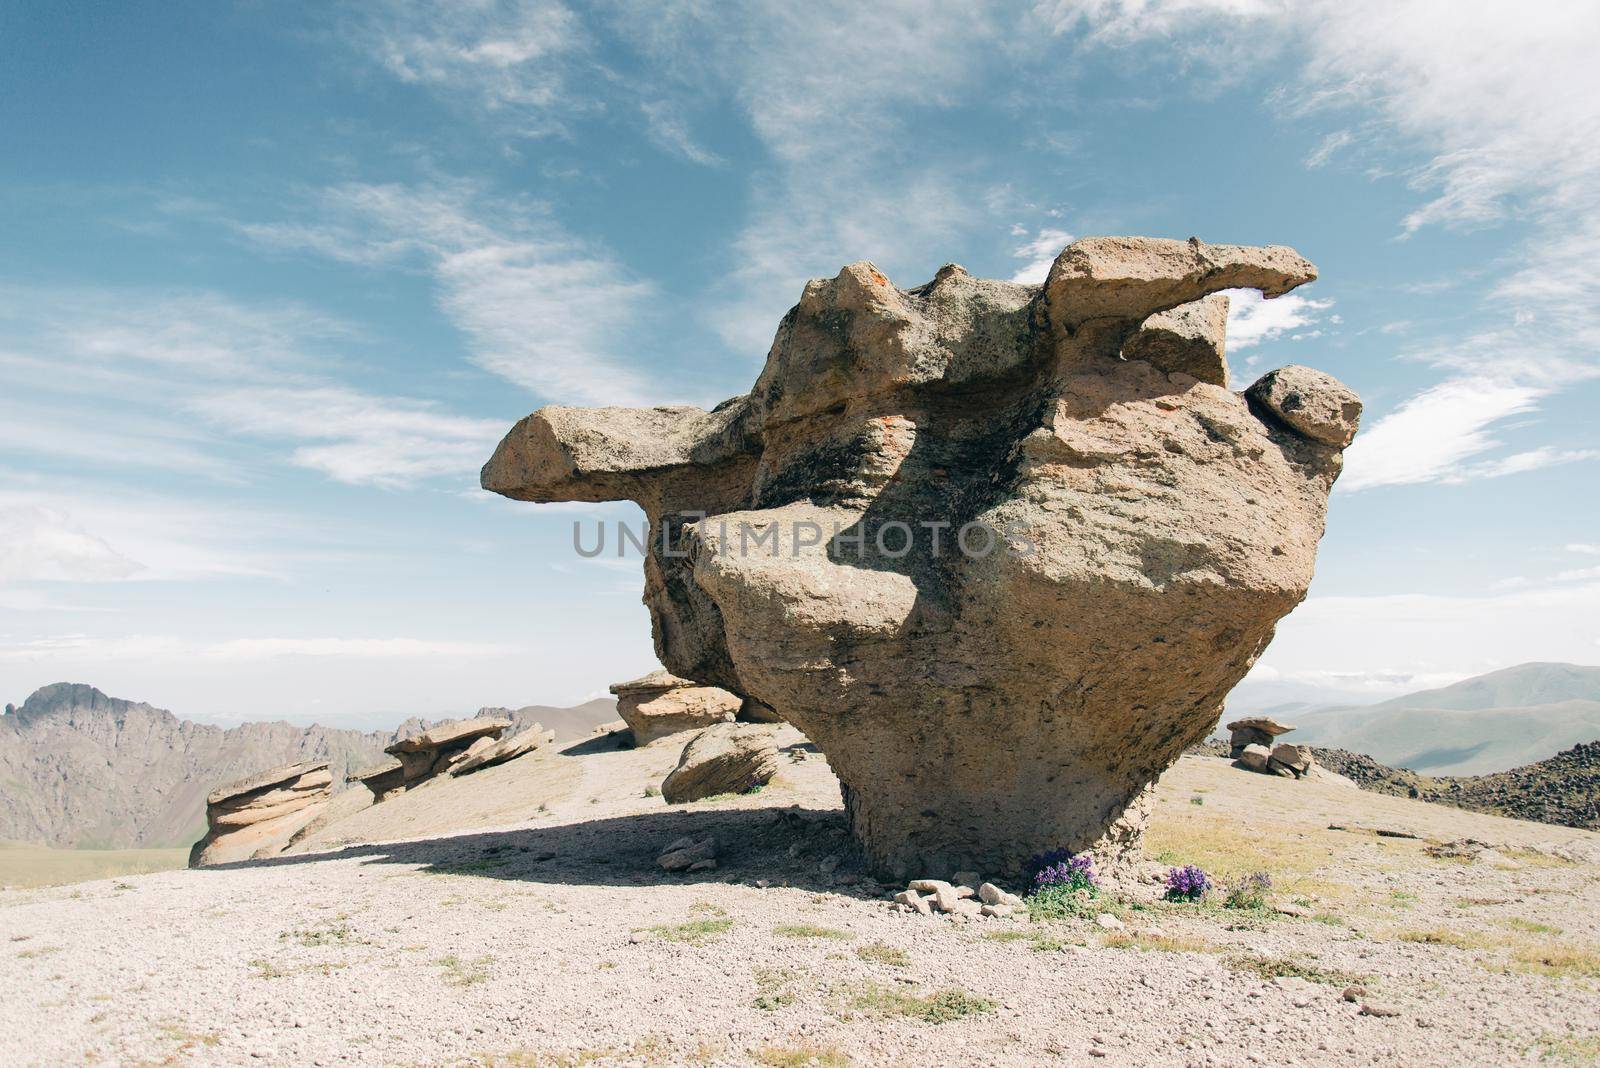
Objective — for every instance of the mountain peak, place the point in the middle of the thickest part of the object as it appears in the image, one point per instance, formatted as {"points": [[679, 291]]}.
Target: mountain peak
{"points": [[64, 696]]}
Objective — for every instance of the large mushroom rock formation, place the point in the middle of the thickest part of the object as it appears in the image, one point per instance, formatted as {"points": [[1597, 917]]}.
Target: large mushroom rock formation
{"points": [[260, 815], [999, 550]]}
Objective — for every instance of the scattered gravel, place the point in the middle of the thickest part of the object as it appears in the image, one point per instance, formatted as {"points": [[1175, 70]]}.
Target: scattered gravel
{"points": [[561, 935]]}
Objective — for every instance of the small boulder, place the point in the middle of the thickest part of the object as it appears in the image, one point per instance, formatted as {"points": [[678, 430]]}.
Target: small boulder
{"points": [[730, 758], [1297, 758], [1255, 757], [1109, 922], [1310, 403], [684, 854]]}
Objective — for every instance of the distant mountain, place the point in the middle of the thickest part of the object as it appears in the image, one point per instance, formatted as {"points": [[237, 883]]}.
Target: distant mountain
{"points": [[1505, 719], [79, 769]]}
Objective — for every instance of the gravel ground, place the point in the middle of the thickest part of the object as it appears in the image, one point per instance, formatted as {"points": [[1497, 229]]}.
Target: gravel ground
{"points": [[556, 940]]}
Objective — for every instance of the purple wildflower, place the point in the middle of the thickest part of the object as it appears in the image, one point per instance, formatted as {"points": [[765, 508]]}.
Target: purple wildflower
{"points": [[1073, 871], [1187, 883]]}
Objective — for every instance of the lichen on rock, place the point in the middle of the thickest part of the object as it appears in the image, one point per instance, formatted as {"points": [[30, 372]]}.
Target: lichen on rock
{"points": [[1000, 550]]}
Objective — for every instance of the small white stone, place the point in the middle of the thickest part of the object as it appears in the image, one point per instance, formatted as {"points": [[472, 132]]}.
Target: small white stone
{"points": [[1109, 922]]}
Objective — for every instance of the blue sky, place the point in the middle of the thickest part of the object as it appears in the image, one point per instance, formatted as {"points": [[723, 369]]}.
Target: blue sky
{"points": [[274, 279]]}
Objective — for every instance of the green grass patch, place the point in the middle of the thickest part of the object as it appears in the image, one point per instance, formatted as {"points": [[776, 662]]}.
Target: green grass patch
{"points": [[881, 953], [811, 930], [941, 1006], [460, 972], [1282, 967], [693, 932]]}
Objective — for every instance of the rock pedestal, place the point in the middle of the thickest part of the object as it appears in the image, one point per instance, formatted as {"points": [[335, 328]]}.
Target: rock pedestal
{"points": [[999, 550], [259, 816], [661, 705], [1255, 730]]}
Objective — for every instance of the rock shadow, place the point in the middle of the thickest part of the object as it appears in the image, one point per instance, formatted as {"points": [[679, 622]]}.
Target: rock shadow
{"points": [[800, 847]]}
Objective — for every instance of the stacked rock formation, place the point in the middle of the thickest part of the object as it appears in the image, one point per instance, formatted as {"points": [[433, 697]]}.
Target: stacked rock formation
{"points": [[729, 758], [1253, 742], [661, 705], [999, 550], [260, 816], [439, 749]]}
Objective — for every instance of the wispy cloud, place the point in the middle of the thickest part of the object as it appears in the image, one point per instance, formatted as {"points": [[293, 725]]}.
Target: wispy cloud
{"points": [[1040, 251], [76, 648], [148, 362], [360, 439], [1498, 98], [1253, 320], [538, 307], [38, 543], [507, 59], [830, 93], [1430, 437]]}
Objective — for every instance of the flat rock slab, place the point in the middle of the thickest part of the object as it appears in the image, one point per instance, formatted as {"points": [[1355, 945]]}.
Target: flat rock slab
{"points": [[447, 734], [264, 779]]}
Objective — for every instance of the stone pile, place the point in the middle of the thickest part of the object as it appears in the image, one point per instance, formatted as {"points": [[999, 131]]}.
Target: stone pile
{"points": [[1254, 746], [438, 749], [965, 894], [661, 705], [260, 816], [1000, 550], [730, 758], [457, 748]]}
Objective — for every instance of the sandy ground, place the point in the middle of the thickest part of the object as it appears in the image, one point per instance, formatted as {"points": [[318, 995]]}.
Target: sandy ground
{"points": [[552, 938]]}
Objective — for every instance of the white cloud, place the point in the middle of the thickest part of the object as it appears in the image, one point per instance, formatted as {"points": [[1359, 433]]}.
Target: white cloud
{"points": [[139, 362], [1253, 319], [1327, 147], [175, 650], [828, 91], [508, 59], [1498, 98], [1444, 635], [539, 308], [1579, 547], [669, 129], [1428, 438], [1531, 460], [362, 439], [39, 543], [1040, 251]]}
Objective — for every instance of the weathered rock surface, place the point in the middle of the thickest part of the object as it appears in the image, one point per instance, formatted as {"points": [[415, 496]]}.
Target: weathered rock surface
{"points": [[260, 815], [661, 705], [997, 554], [383, 779], [730, 758]]}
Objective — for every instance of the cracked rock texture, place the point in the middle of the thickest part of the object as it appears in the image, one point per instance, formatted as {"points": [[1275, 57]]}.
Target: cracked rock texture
{"points": [[1000, 550]]}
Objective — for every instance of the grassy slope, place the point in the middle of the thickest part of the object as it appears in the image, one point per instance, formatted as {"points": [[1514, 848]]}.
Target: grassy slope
{"points": [[23, 865]]}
